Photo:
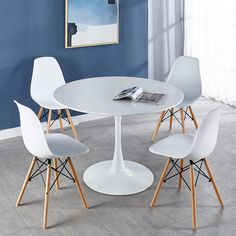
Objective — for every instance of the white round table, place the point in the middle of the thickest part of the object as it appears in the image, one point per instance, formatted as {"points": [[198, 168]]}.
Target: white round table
{"points": [[94, 95]]}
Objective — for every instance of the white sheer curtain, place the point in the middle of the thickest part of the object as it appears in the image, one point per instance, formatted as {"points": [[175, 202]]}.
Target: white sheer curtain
{"points": [[210, 35], [165, 36]]}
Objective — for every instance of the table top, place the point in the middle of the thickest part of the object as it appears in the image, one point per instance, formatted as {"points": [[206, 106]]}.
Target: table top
{"points": [[94, 95]]}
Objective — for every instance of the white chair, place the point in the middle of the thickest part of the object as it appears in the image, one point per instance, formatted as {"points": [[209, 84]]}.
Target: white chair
{"points": [[46, 78], [185, 75], [45, 147], [195, 149]]}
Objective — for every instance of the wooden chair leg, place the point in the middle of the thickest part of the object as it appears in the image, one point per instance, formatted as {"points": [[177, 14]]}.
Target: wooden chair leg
{"points": [[26, 181], [182, 120], [193, 195], [46, 199], [49, 120], [72, 125], [55, 162], [171, 118], [158, 188], [193, 116], [40, 113], [77, 183], [213, 183], [60, 121], [56, 173], [158, 126], [180, 176]]}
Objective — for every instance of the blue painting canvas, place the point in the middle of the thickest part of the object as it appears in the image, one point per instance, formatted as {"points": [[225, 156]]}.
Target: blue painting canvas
{"points": [[91, 22]]}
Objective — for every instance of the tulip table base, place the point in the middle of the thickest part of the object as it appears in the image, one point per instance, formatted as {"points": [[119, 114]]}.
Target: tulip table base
{"points": [[118, 177], [100, 177]]}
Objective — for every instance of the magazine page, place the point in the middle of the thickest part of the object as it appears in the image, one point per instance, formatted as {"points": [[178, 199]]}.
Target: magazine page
{"points": [[131, 93], [137, 94], [149, 97]]}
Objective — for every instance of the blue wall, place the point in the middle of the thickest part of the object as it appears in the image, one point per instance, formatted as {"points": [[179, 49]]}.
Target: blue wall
{"points": [[29, 29]]}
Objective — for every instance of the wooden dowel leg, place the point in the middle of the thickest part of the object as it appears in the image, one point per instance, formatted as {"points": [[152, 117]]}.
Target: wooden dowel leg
{"points": [[40, 113], [46, 199], [158, 188], [26, 181], [193, 195], [158, 126], [74, 131], [60, 121], [213, 183], [193, 116], [182, 120], [49, 120], [171, 118], [78, 183], [56, 173], [181, 171]]}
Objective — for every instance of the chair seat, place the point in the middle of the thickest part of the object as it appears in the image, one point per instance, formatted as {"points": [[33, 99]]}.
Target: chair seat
{"points": [[49, 103], [175, 146], [62, 145], [186, 102]]}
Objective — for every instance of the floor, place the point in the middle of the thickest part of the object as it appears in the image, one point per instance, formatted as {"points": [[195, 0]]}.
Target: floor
{"points": [[126, 215]]}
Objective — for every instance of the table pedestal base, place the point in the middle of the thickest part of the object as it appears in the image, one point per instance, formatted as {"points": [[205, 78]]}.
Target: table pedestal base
{"points": [[118, 177], [134, 179]]}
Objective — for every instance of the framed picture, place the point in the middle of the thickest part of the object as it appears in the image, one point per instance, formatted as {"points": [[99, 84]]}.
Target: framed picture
{"points": [[91, 22]]}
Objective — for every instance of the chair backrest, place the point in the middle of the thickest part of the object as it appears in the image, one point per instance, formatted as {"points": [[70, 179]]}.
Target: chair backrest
{"points": [[185, 75], [32, 132], [206, 135], [46, 78]]}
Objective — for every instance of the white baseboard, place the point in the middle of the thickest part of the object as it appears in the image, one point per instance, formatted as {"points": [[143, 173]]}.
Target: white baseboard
{"points": [[15, 132]]}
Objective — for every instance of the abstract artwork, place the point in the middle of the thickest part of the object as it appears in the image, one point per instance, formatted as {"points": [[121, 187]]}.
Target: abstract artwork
{"points": [[91, 23]]}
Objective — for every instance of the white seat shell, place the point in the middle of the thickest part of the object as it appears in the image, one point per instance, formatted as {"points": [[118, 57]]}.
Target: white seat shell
{"points": [[185, 75], [58, 142], [46, 78], [42, 145], [176, 146], [191, 147]]}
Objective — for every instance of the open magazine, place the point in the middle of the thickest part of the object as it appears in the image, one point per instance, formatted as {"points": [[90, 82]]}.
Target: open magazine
{"points": [[137, 94]]}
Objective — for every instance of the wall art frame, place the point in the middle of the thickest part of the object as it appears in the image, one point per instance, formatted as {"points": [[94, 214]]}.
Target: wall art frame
{"points": [[91, 23]]}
